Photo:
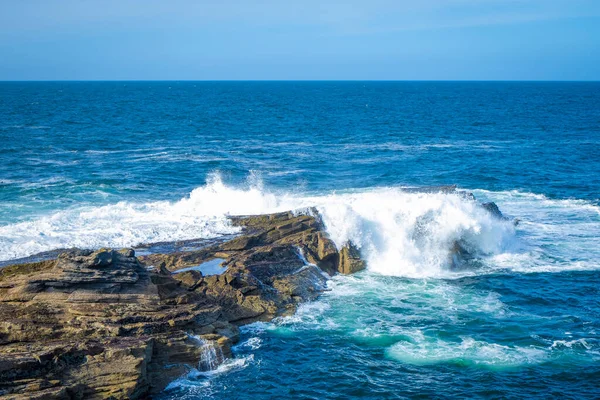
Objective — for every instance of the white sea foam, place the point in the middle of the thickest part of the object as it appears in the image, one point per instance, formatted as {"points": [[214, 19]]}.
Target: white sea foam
{"points": [[571, 344], [197, 383], [256, 328], [10, 182], [395, 146], [188, 383], [201, 215], [410, 234], [399, 233], [227, 366], [254, 343], [422, 350]]}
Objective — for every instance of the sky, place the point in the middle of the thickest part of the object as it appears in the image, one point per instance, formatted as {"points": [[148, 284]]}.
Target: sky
{"points": [[300, 40]]}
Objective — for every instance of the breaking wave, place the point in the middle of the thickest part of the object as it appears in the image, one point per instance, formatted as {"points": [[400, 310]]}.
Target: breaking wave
{"points": [[399, 232]]}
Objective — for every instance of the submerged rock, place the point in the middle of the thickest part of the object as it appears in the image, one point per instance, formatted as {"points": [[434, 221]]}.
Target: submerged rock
{"points": [[107, 324], [493, 209], [460, 253]]}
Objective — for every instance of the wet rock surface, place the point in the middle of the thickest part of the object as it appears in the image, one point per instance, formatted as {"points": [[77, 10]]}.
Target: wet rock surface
{"points": [[108, 324], [493, 209]]}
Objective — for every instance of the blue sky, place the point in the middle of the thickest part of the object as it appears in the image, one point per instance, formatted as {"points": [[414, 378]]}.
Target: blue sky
{"points": [[310, 39]]}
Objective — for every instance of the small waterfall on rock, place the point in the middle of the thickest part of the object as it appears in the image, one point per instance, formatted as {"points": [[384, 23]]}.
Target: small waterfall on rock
{"points": [[211, 356]]}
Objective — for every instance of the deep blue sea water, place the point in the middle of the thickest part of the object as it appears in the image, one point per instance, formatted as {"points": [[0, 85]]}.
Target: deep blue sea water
{"points": [[94, 164]]}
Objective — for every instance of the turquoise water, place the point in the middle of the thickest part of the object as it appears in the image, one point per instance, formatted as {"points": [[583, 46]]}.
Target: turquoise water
{"points": [[118, 164], [212, 267]]}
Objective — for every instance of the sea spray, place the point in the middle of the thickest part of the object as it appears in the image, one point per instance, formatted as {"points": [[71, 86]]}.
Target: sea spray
{"points": [[412, 234], [379, 221], [398, 232]]}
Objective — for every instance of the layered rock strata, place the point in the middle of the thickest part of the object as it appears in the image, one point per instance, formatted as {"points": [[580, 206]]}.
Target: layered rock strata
{"points": [[108, 324]]}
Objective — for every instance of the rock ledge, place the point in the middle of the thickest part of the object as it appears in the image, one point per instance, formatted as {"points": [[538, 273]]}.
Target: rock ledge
{"points": [[107, 324]]}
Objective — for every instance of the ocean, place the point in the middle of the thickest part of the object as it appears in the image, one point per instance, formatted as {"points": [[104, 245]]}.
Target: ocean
{"points": [[95, 164]]}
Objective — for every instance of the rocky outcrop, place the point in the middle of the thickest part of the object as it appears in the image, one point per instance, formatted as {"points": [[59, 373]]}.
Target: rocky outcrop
{"points": [[303, 234], [96, 325], [460, 254], [350, 260], [278, 262], [108, 324], [493, 209]]}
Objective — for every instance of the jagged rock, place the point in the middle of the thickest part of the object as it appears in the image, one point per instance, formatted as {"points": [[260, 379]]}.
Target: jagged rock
{"points": [[189, 279], [304, 285], [350, 261], [321, 251], [493, 209], [459, 255], [107, 324]]}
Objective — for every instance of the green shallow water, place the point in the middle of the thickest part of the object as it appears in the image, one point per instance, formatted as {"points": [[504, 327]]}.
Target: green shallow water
{"points": [[388, 337]]}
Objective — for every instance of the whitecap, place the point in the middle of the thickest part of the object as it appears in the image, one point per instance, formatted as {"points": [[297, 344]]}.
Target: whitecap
{"points": [[571, 344], [423, 351], [382, 222], [253, 343]]}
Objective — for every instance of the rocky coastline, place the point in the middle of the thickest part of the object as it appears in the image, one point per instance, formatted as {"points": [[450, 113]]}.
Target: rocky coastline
{"points": [[108, 324]]}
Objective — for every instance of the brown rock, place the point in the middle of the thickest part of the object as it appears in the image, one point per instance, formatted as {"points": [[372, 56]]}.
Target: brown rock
{"points": [[103, 324], [350, 261]]}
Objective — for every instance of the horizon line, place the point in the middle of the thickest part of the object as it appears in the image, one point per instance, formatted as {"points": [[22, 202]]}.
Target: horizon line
{"points": [[298, 80]]}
